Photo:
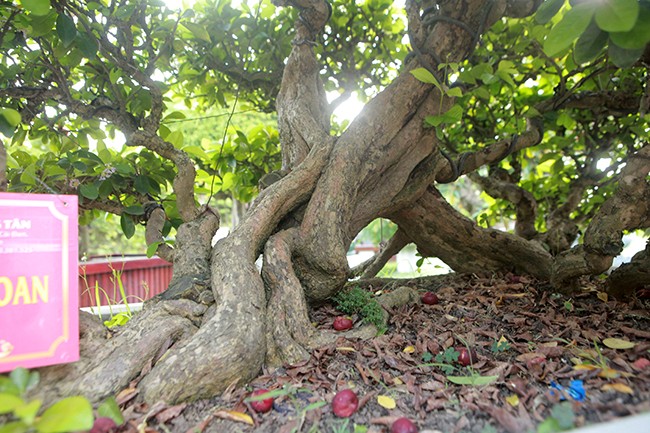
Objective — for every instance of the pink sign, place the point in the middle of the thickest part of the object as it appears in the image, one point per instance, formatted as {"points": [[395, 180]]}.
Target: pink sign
{"points": [[39, 298]]}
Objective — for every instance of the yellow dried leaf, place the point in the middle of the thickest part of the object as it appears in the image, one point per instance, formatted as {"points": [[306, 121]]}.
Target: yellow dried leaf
{"points": [[609, 373], [386, 401], [502, 340], [409, 349], [602, 296], [397, 381], [513, 400], [617, 387], [617, 343], [345, 349], [589, 367], [233, 415]]}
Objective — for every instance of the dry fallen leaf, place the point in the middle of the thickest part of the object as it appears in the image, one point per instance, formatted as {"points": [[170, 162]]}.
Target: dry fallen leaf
{"points": [[386, 401], [409, 349], [617, 343], [602, 296], [513, 400], [233, 415], [345, 349], [620, 387]]}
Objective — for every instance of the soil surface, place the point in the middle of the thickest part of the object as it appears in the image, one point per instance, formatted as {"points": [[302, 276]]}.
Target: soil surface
{"points": [[527, 340]]}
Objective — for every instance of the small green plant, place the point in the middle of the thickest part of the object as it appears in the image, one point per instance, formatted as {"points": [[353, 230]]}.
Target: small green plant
{"points": [[499, 346], [361, 302], [446, 358], [69, 414], [562, 418], [568, 305], [116, 319]]}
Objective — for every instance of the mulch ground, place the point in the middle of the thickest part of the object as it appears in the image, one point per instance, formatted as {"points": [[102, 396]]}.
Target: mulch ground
{"points": [[549, 339]]}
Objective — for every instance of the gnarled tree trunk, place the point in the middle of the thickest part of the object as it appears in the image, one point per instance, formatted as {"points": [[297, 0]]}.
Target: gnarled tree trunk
{"points": [[222, 319]]}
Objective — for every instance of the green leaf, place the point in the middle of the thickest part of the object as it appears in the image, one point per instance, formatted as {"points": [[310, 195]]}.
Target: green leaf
{"points": [[426, 76], [617, 15], [623, 58], [20, 377], [28, 176], [11, 116], [547, 10], [198, 31], [549, 425], [134, 210], [472, 380], [87, 44], [7, 386], [9, 402], [27, 412], [66, 29], [90, 191], [590, 44], [141, 184], [14, 427], [37, 7], [574, 22], [563, 414], [70, 414], [152, 249], [638, 36], [127, 224], [455, 92]]}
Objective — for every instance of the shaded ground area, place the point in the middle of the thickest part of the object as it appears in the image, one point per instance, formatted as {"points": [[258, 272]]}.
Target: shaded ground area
{"points": [[548, 339]]}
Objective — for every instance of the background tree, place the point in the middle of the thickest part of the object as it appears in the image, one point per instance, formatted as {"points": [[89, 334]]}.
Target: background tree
{"points": [[486, 91]]}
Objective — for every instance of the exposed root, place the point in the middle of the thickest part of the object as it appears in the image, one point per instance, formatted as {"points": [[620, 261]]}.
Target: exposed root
{"points": [[289, 330], [109, 361]]}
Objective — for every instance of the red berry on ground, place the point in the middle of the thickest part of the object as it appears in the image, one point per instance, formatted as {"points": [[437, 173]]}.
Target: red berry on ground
{"points": [[403, 425], [342, 323], [103, 425], [466, 357], [430, 298], [641, 364], [345, 403], [262, 406]]}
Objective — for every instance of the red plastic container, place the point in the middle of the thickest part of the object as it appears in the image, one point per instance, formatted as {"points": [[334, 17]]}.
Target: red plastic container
{"points": [[142, 278]]}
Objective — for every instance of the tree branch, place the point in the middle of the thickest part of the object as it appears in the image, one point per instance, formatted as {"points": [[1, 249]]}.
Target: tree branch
{"points": [[627, 209]]}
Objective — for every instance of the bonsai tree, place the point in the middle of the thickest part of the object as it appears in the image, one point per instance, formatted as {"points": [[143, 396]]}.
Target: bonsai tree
{"points": [[543, 107]]}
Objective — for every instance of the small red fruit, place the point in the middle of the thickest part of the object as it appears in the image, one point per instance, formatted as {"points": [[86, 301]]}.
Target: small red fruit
{"points": [[103, 425], [342, 323], [403, 425], [466, 357], [430, 298], [641, 364], [262, 406], [345, 403]]}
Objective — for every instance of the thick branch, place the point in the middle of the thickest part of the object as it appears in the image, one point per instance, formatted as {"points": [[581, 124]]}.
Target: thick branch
{"points": [[373, 265], [303, 114], [470, 161], [630, 276], [440, 231], [524, 201], [627, 209], [183, 181]]}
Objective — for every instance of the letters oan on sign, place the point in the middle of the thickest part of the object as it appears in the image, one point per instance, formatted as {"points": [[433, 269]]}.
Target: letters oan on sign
{"points": [[39, 295]]}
